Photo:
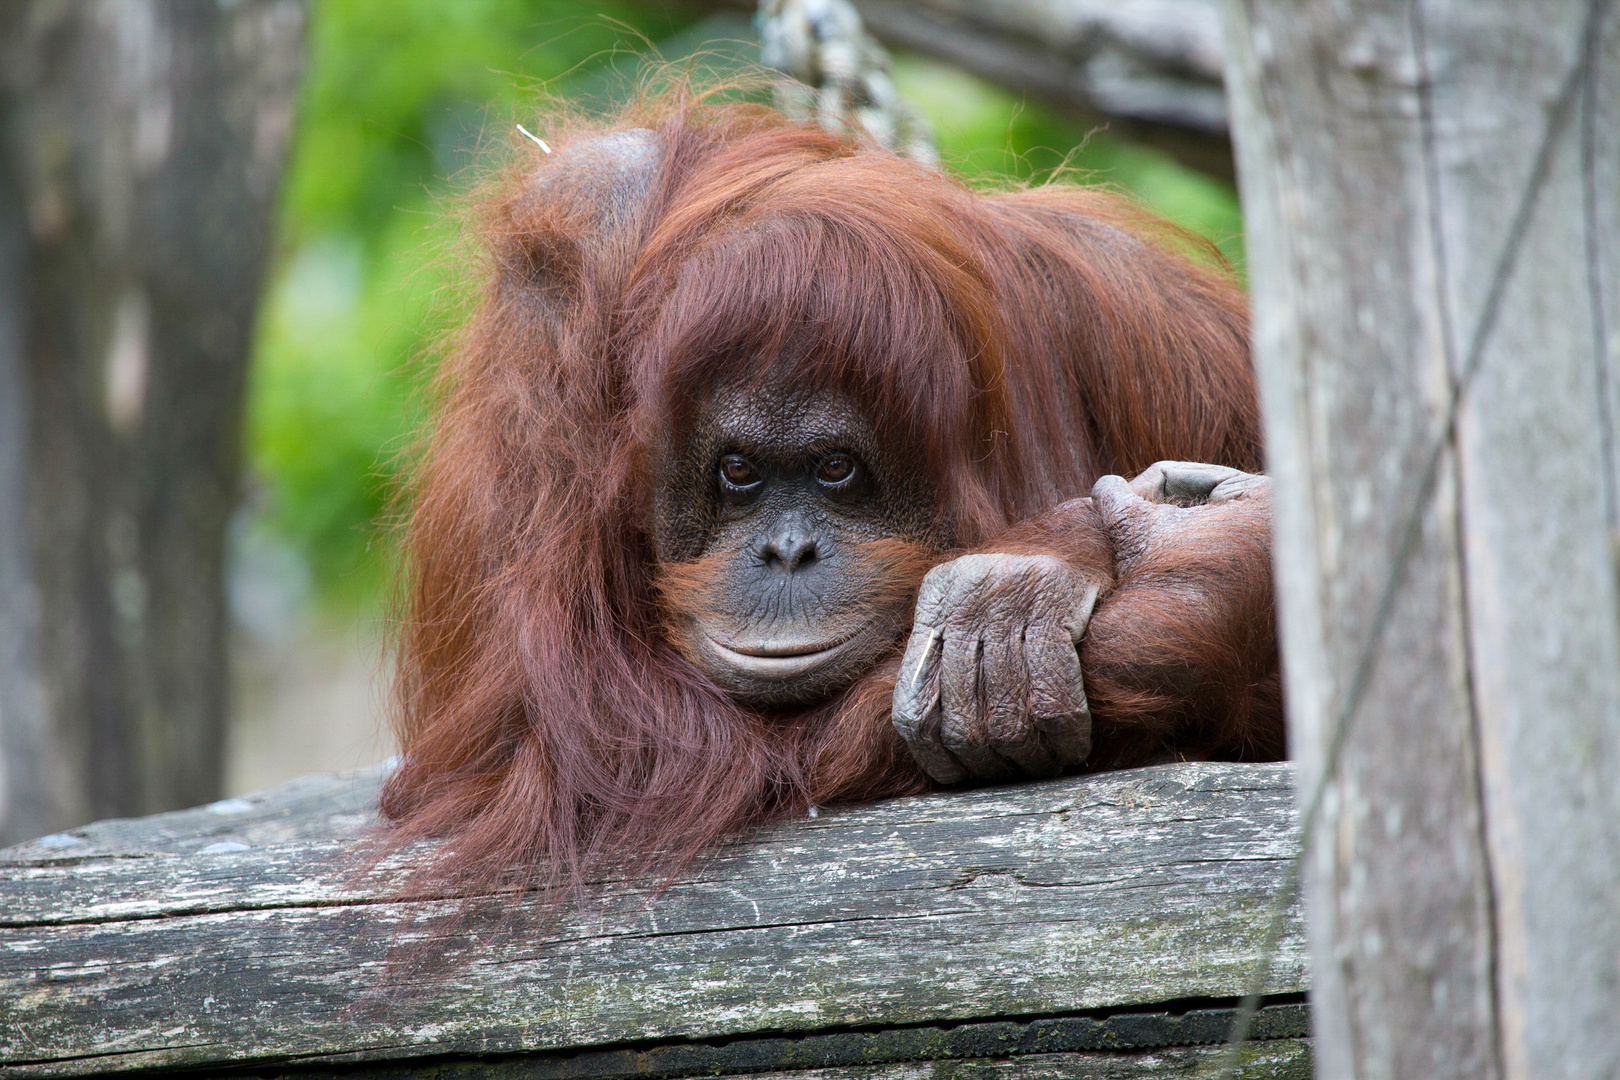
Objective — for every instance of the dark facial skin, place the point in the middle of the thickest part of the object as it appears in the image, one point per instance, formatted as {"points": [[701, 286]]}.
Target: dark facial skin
{"points": [[778, 498]]}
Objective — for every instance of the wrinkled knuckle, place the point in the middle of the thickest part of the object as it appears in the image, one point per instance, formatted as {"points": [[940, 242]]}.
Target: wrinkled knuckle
{"points": [[1247, 486], [978, 568], [1108, 490], [904, 715], [936, 581], [958, 721], [1055, 572], [1155, 473], [955, 738], [932, 600], [924, 742], [1035, 567], [1063, 717], [1024, 578], [1010, 728], [1002, 700]]}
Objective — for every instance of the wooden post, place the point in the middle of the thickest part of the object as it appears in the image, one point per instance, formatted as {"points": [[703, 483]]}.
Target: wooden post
{"points": [[1432, 197]]}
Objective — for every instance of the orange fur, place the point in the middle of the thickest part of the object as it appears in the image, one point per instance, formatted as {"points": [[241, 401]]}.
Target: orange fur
{"points": [[1023, 342]]}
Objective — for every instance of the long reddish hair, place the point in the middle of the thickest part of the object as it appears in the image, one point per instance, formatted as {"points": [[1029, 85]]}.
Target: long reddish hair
{"points": [[1023, 342]]}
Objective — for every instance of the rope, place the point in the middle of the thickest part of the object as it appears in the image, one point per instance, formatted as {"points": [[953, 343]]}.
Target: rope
{"points": [[842, 73]]}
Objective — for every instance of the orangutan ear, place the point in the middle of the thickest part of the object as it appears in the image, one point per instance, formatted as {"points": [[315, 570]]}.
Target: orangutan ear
{"points": [[578, 221]]}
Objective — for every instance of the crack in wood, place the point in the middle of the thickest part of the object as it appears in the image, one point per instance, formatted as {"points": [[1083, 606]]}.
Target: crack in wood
{"points": [[1194, 1024], [996, 929]]}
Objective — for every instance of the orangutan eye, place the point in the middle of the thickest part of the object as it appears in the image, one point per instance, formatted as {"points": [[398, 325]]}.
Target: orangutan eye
{"points": [[835, 469], [738, 472]]}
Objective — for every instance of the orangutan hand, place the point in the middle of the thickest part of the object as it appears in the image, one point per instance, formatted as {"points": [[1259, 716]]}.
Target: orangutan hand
{"points": [[990, 684], [1189, 483], [1164, 501]]}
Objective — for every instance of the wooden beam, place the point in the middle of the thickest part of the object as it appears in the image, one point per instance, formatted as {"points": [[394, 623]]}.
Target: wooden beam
{"points": [[1083, 927], [1150, 70], [1431, 194]]}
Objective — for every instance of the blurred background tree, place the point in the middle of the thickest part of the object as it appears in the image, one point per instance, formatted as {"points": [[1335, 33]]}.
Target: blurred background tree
{"points": [[141, 144]]}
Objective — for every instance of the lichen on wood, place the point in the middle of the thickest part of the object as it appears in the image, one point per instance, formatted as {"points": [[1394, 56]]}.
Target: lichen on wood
{"points": [[959, 929]]}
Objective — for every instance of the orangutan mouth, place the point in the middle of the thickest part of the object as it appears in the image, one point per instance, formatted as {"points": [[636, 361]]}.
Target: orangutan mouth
{"points": [[772, 658]]}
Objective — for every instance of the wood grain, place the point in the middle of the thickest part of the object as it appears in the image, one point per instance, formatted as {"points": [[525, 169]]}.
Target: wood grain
{"points": [[1431, 194], [174, 942]]}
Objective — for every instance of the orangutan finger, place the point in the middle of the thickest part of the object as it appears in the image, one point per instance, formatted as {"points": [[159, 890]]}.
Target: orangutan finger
{"points": [[1076, 615], [964, 728], [1149, 483], [931, 715], [1241, 486], [1126, 517], [1006, 690], [916, 709], [931, 597], [1057, 694], [1028, 590], [1181, 481]]}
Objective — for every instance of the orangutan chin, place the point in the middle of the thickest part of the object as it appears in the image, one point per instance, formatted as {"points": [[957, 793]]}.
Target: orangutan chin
{"points": [[776, 471]]}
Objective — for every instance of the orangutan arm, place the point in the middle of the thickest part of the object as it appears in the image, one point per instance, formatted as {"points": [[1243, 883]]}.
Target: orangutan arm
{"points": [[1180, 659], [1161, 591]]}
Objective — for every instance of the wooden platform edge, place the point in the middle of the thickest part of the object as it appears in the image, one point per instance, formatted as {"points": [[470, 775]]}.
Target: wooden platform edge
{"points": [[1029, 926]]}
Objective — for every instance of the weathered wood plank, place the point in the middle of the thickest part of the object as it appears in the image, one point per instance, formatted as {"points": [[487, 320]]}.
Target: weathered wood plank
{"points": [[1113, 891], [1431, 191], [855, 1052], [1289, 1059], [309, 808]]}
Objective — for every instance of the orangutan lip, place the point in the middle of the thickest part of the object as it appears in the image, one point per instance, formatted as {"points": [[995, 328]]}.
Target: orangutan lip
{"points": [[773, 661], [777, 649]]}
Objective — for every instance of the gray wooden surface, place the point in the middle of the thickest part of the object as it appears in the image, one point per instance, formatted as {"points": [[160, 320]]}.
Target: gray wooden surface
{"points": [[1431, 194], [1105, 921]]}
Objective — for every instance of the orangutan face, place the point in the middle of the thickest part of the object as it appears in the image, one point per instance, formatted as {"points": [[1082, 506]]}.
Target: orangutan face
{"points": [[792, 540]]}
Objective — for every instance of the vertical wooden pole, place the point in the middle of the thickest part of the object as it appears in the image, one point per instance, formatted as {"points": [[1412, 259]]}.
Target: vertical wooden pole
{"points": [[1432, 197]]}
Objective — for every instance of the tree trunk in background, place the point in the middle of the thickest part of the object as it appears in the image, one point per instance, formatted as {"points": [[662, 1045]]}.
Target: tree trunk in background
{"points": [[1431, 192], [139, 157]]}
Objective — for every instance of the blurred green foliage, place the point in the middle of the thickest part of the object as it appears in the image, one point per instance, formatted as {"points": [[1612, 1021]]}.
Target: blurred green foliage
{"points": [[985, 132], [392, 111], [397, 99]]}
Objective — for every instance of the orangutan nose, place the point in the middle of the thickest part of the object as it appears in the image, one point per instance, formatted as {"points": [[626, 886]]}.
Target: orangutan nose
{"points": [[788, 549]]}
